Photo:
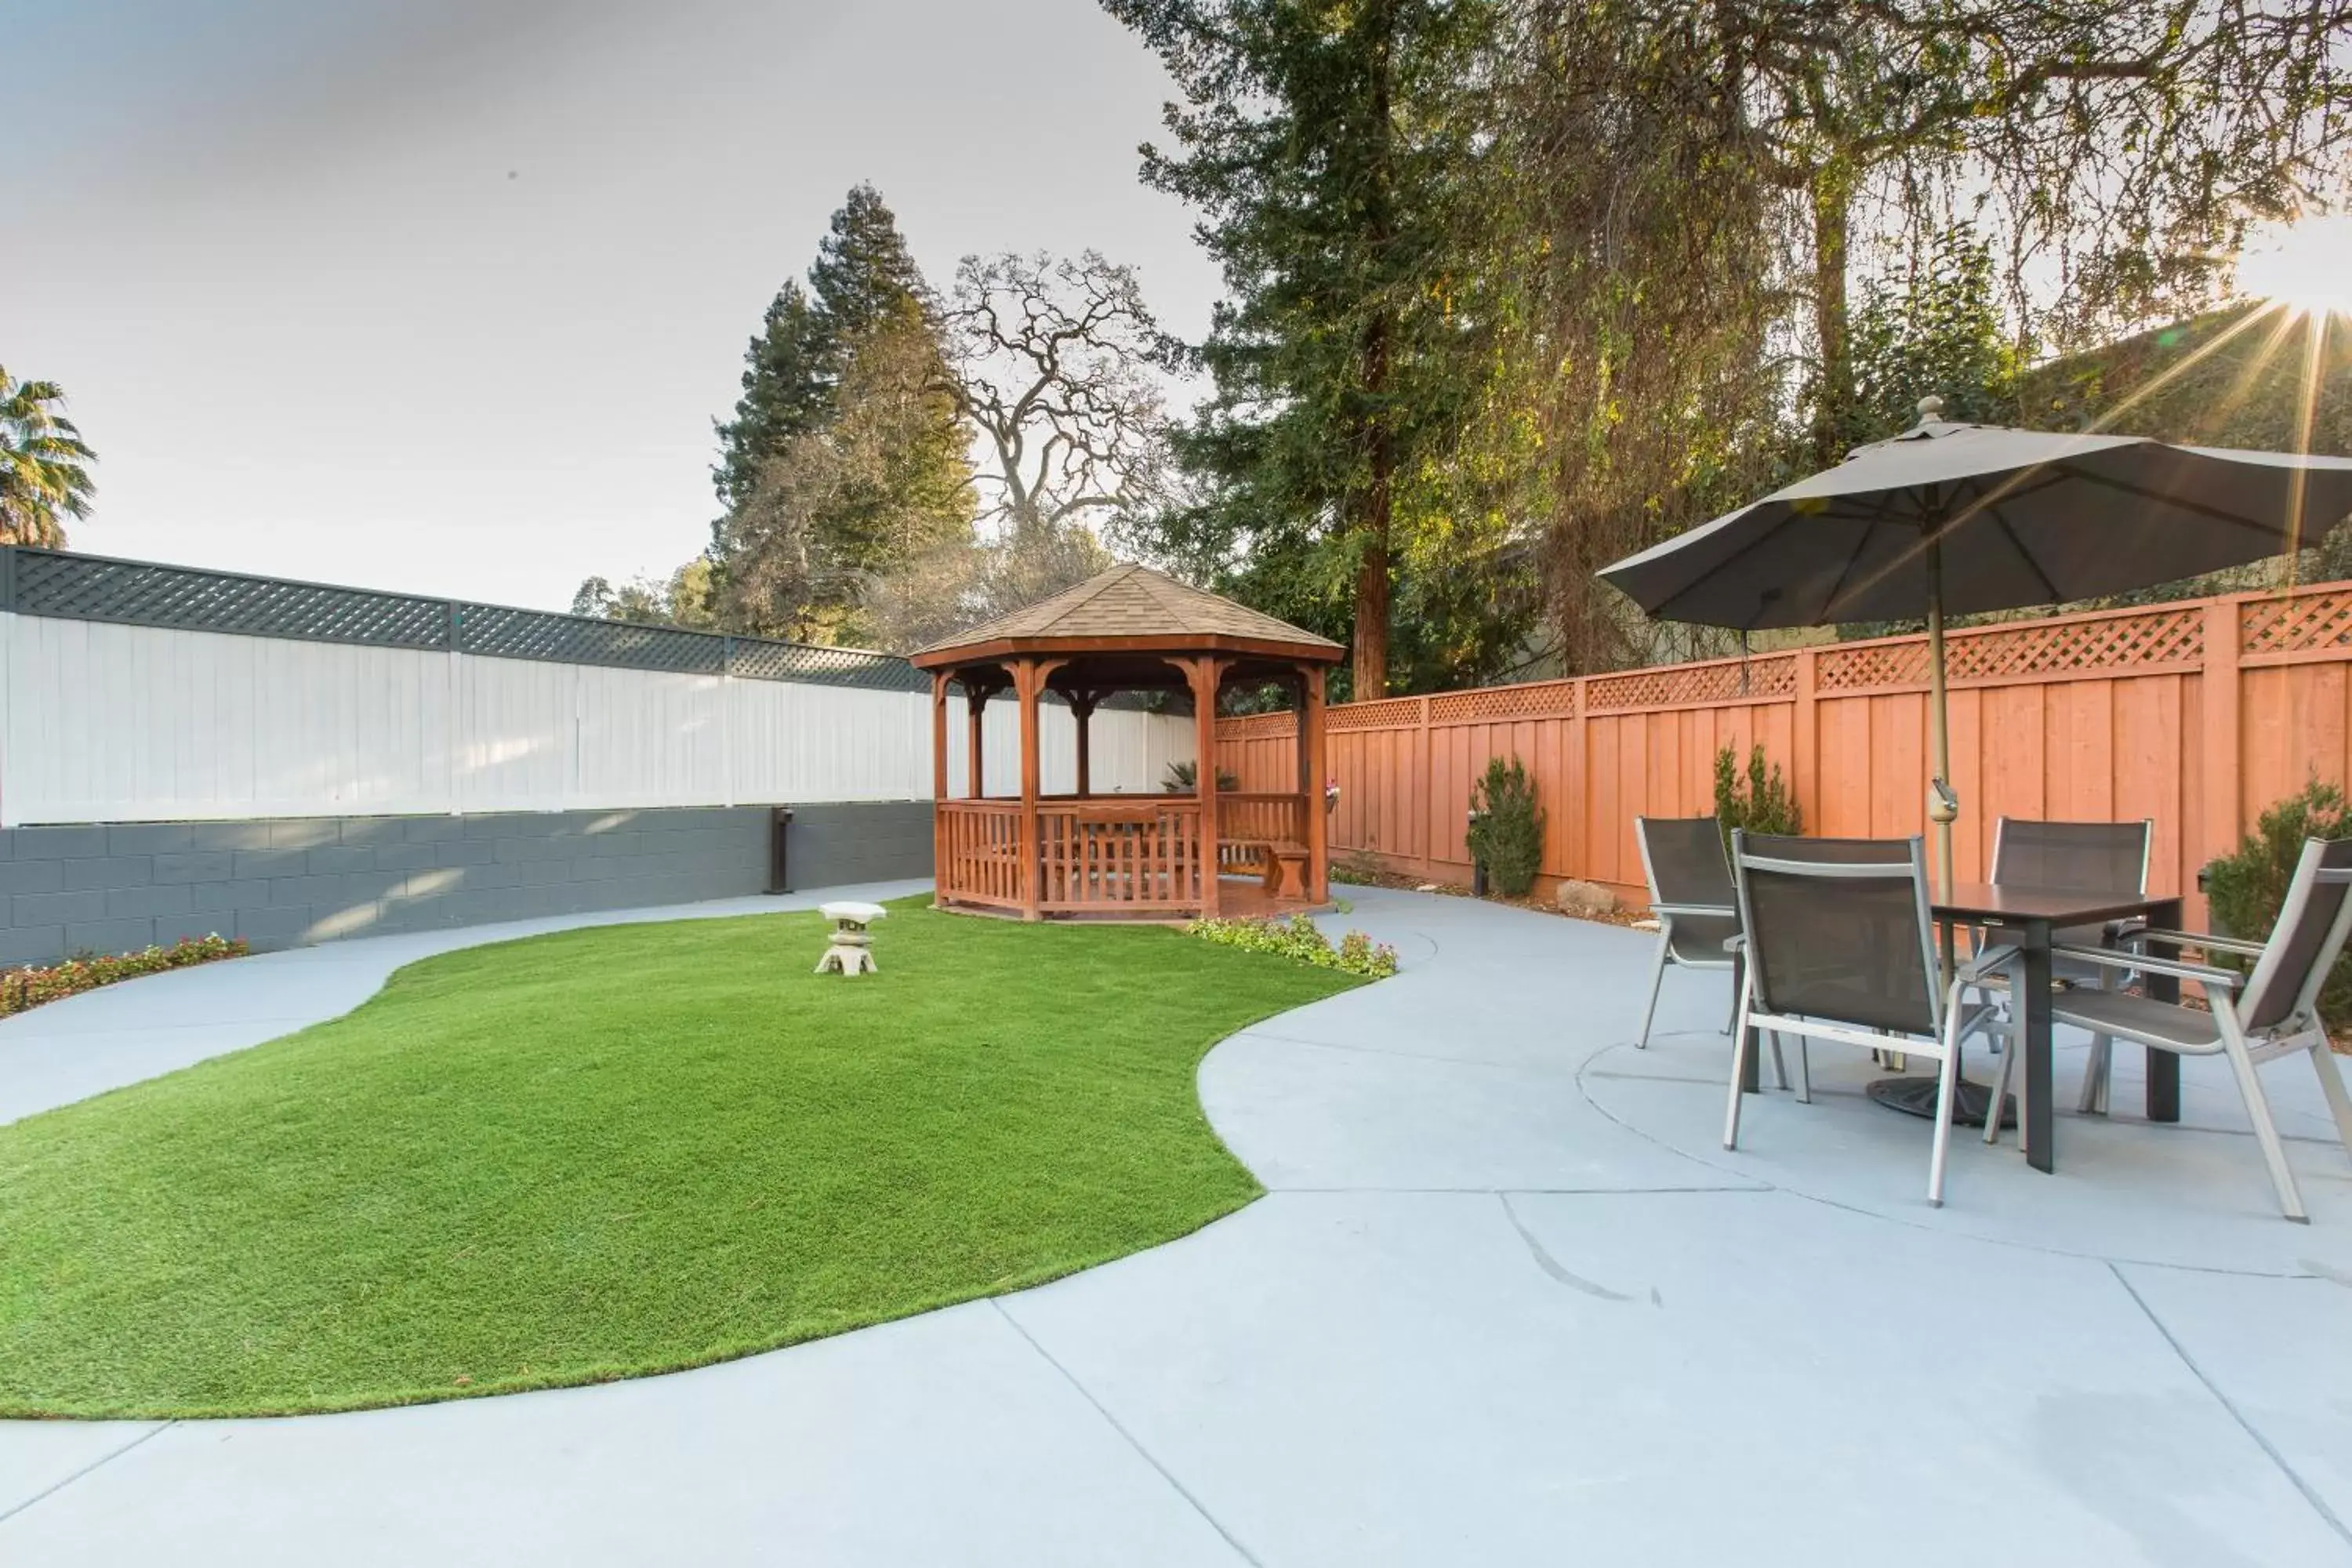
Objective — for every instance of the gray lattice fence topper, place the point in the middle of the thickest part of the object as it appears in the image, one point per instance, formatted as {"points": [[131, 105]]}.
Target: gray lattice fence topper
{"points": [[145, 593]]}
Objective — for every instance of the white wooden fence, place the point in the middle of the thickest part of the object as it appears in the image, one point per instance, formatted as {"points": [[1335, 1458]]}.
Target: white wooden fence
{"points": [[108, 722]]}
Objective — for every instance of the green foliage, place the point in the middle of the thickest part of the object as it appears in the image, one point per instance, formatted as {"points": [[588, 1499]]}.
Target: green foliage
{"points": [[1646, 326], [846, 461], [1332, 150], [2247, 887], [1933, 329], [787, 392], [1299, 939], [614, 1151], [861, 282], [2227, 378], [1519, 286], [44, 464], [30, 987], [1184, 778], [1762, 802], [682, 599], [1506, 827]]}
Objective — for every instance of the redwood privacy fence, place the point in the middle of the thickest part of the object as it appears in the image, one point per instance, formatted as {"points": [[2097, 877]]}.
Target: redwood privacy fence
{"points": [[2198, 715]]}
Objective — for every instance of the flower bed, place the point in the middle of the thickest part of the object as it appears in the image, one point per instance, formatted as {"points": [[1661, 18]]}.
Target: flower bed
{"points": [[1298, 938], [23, 988]]}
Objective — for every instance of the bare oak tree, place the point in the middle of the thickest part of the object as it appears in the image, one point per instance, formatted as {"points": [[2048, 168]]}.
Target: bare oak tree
{"points": [[1054, 365]]}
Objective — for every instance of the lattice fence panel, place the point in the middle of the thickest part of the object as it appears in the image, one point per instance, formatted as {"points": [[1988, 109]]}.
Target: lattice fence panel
{"points": [[2296, 625], [180, 598], [2164, 636], [761, 661], [1395, 713], [497, 632], [1724, 680], [1261, 726], [1498, 704], [1871, 664], [140, 593]]}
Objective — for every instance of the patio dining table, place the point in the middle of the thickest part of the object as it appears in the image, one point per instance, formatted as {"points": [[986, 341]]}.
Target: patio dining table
{"points": [[2026, 917]]}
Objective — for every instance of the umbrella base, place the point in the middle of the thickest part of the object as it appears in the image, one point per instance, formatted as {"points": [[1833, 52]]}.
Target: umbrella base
{"points": [[1917, 1097]]}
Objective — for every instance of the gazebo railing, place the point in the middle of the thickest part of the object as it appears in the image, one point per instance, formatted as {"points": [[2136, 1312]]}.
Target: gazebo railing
{"points": [[1134, 854], [979, 844], [1138, 857]]}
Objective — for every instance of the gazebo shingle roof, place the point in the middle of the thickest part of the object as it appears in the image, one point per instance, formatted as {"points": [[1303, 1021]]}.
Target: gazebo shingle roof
{"points": [[1133, 602]]}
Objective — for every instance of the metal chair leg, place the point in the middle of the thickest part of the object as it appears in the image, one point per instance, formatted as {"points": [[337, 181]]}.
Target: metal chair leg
{"points": [[2001, 1092], [2098, 1069], [2258, 1112], [1948, 1082], [1657, 979], [2331, 1084], [1780, 1065], [1804, 1072], [1740, 1036]]}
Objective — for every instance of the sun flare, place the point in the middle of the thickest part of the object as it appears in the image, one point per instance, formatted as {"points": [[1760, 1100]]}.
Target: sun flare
{"points": [[2306, 266]]}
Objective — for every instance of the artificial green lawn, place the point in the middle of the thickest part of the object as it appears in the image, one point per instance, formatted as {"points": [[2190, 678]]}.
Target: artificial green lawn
{"points": [[619, 1150]]}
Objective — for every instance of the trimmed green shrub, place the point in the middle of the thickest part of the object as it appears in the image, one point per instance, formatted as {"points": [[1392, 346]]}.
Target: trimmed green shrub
{"points": [[23, 988], [1298, 939], [1762, 802], [1506, 827], [2247, 887]]}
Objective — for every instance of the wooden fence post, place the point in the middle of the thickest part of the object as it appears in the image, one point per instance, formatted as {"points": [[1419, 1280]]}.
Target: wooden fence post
{"points": [[1805, 742], [1577, 795], [1423, 846], [2222, 740]]}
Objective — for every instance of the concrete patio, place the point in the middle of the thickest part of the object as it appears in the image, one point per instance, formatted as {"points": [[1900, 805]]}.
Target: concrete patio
{"points": [[1506, 1302]]}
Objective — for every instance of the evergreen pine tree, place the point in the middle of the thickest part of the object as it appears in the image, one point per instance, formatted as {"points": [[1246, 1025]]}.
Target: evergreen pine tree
{"points": [[787, 392], [846, 460], [1328, 144], [864, 274]]}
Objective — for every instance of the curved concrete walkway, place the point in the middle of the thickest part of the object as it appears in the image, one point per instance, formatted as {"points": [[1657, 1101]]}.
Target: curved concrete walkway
{"points": [[1506, 1302]]}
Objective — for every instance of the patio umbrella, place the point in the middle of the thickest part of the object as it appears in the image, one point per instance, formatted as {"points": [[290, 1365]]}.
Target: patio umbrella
{"points": [[1952, 519]]}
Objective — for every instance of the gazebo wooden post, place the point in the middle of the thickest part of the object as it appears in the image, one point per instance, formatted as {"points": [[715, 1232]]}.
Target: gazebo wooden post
{"points": [[1082, 707], [938, 782], [1028, 678], [975, 702], [1312, 763], [1204, 673]]}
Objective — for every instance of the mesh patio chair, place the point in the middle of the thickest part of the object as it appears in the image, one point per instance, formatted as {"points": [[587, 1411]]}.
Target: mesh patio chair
{"points": [[1841, 946], [2250, 1018], [1692, 897], [2083, 857]]}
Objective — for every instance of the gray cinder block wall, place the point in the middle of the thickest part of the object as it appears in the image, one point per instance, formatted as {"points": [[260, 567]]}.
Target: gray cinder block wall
{"points": [[117, 887]]}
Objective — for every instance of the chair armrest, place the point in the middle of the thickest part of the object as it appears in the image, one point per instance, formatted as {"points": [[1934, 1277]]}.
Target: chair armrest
{"points": [[2109, 958], [2236, 944], [1722, 911]]}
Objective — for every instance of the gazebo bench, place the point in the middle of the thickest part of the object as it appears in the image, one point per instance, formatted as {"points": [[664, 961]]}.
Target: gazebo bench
{"points": [[1281, 862]]}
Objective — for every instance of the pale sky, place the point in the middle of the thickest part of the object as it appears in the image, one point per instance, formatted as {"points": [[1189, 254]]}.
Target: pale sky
{"points": [[443, 295]]}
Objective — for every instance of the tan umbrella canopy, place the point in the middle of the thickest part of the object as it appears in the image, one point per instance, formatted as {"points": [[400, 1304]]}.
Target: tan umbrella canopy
{"points": [[1954, 519]]}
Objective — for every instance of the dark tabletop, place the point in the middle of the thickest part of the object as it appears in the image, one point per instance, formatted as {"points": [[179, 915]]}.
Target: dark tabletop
{"points": [[1984, 903]]}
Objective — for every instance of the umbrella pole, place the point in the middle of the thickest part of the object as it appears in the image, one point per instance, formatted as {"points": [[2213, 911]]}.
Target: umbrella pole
{"points": [[1943, 807]]}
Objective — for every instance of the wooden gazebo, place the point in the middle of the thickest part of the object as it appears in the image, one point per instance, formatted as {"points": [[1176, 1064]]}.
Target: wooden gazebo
{"points": [[1146, 857]]}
